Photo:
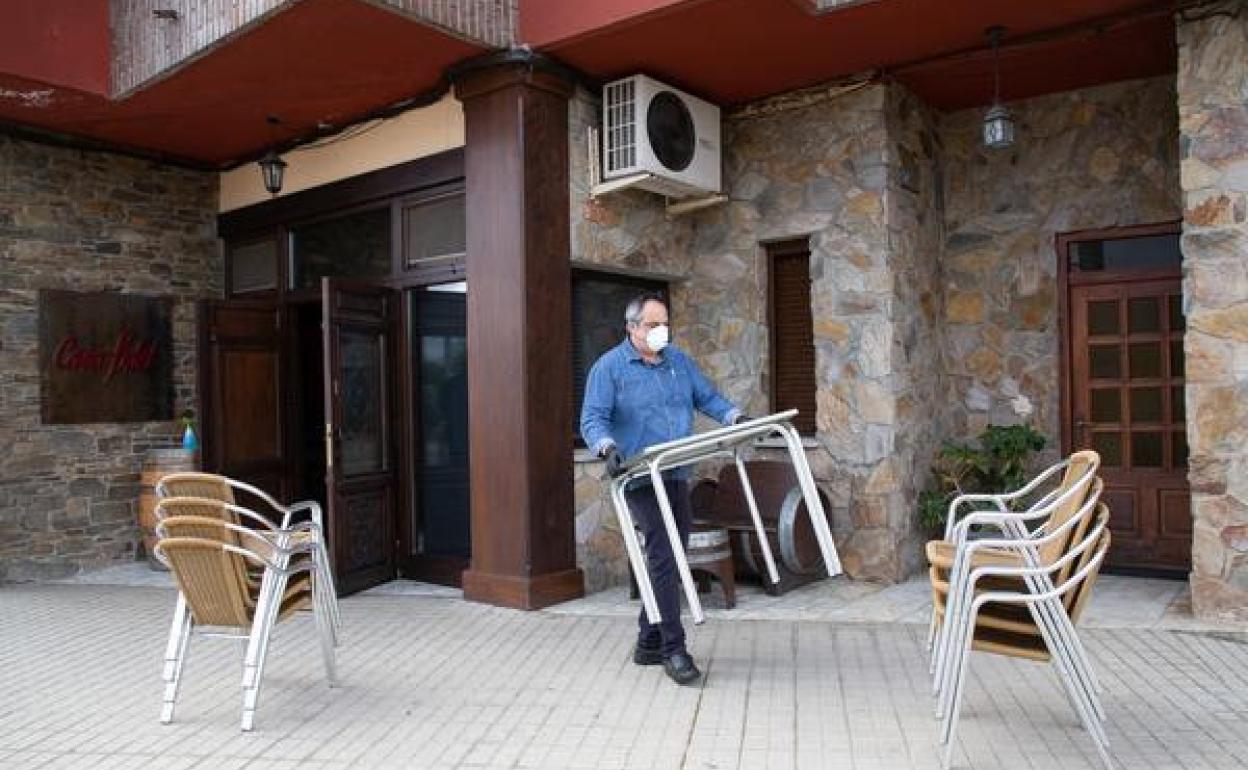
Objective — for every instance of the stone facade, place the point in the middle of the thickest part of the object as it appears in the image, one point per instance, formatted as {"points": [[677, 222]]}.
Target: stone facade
{"points": [[825, 165], [88, 222], [916, 234], [819, 165], [934, 275], [1088, 159], [1213, 124]]}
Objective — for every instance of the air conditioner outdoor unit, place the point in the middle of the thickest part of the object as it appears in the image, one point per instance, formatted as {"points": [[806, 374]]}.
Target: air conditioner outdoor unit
{"points": [[659, 138]]}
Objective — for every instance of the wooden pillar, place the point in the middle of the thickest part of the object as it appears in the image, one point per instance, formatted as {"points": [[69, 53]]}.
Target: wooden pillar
{"points": [[519, 335]]}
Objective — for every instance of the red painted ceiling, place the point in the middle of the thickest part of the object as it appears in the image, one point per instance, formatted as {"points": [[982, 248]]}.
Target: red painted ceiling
{"points": [[320, 61], [58, 42], [335, 61], [733, 51]]}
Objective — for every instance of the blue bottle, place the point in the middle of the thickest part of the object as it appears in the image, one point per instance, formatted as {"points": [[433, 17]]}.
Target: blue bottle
{"points": [[189, 442]]}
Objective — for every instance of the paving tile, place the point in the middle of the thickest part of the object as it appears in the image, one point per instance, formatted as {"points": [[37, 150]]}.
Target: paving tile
{"points": [[834, 675]]}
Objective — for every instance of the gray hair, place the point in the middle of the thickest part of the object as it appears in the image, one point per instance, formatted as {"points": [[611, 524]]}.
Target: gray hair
{"points": [[632, 312]]}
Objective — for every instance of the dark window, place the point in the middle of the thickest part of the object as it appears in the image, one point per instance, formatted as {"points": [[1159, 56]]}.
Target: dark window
{"points": [[355, 245], [598, 302], [792, 333], [1144, 252], [434, 235], [253, 266]]}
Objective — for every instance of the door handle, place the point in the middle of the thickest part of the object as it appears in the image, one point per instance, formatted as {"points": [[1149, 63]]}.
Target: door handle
{"points": [[1082, 427], [329, 446]]}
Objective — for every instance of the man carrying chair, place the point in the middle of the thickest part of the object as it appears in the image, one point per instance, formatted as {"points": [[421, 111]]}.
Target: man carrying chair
{"points": [[640, 393]]}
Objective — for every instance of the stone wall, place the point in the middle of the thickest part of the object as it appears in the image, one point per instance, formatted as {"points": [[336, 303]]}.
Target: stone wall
{"points": [[932, 264], [1088, 159], [821, 165], [815, 164], [1213, 122], [916, 235], [88, 222]]}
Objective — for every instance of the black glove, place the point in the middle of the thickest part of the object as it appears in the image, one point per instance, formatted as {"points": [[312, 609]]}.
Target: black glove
{"points": [[614, 462], [743, 417]]}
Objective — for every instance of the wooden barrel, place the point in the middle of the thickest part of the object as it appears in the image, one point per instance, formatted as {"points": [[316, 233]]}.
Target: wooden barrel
{"points": [[793, 543], [157, 463], [707, 545]]}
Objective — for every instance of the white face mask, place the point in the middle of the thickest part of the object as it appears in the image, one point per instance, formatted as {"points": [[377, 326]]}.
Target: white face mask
{"points": [[656, 338]]}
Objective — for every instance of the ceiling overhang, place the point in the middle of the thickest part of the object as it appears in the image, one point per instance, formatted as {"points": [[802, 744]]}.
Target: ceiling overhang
{"points": [[736, 51], [316, 66]]}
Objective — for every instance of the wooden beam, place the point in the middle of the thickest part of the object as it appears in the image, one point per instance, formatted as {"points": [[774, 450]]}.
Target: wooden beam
{"points": [[519, 336]]}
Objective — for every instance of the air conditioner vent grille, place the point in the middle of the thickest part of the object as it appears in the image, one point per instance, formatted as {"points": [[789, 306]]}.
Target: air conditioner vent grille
{"points": [[621, 150]]}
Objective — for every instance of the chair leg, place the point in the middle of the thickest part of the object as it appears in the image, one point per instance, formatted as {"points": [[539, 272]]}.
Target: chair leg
{"points": [[954, 703], [254, 651], [182, 647], [325, 632], [266, 613], [325, 575], [1069, 658], [323, 589], [323, 566], [1087, 715], [172, 649]]}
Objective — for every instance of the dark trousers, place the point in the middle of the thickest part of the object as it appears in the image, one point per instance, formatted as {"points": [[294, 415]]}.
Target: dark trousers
{"points": [[669, 635]]}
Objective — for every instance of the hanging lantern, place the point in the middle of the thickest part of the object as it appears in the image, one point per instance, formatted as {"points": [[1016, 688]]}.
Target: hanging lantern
{"points": [[273, 168], [998, 127]]}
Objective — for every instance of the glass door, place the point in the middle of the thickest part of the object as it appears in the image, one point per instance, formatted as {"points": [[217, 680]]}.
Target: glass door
{"points": [[439, 544]]}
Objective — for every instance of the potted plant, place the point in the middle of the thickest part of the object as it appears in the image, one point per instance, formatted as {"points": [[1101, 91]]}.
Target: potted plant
{"points": [[998, 463]]}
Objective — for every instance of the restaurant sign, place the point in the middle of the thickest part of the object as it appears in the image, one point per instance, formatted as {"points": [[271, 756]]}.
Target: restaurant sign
{"points": [[104, 357]]}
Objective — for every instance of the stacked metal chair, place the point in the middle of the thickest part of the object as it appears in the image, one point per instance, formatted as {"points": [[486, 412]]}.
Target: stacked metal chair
{"points": [[1020, 590], [218, 596], [270, 570], [301, 521]]}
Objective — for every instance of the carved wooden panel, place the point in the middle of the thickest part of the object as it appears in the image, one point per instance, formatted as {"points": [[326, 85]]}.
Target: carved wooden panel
{"points": [[366, 524]]}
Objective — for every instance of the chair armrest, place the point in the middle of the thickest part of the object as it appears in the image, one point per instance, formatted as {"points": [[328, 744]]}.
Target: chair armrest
{"points": [[1001, 519], [952, 517], [310, 507]]}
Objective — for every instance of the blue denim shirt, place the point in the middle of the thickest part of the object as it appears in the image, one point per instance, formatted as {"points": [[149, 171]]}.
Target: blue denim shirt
{"points": [[633, 404]]}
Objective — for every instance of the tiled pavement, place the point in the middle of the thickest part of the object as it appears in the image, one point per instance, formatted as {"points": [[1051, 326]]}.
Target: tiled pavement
{"points": [[830, 676]]}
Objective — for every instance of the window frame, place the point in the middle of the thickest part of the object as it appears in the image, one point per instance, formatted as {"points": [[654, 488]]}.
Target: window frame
{"points": [[642, 284], [806, 423], [272, 236]]}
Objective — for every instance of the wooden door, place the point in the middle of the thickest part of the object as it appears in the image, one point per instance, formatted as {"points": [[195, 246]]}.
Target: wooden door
{"points": [[241, 382], [360, 478], [1127, 402]]}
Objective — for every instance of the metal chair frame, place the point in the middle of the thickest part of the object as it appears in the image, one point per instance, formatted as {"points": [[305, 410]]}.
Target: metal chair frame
{"points": [[284, 538], [288, 512], [1008, 523], [1054, 615], [1054, 625], [731, 442], [265, 614]]}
